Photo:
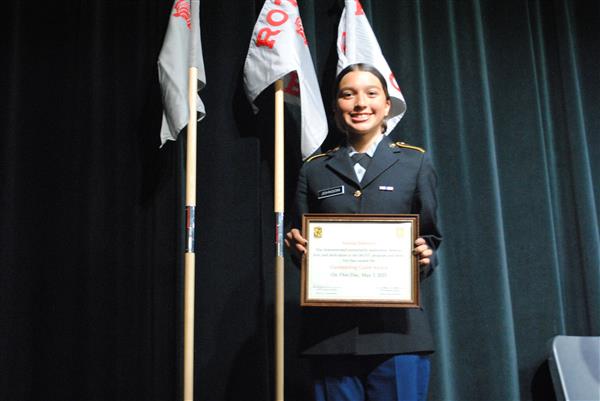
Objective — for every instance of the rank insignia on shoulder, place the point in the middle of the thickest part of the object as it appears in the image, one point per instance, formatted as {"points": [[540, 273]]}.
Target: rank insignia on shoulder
{"points": [[406, 146], [329, 192]]}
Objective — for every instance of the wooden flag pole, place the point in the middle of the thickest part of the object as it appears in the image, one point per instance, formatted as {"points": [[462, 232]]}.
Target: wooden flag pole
{"points": [[190, 256], [279, 264]]}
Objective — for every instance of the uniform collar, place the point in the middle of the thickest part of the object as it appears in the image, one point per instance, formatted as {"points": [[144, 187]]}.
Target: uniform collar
{"points": [[370, 151], [383, 158]]}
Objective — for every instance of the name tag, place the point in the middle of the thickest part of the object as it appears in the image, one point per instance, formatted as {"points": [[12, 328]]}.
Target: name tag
{"points": [[385, 188], [329, 192]]}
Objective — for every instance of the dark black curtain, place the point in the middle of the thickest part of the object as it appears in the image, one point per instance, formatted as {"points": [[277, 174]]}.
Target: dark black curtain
{"points": [[504, 96]]}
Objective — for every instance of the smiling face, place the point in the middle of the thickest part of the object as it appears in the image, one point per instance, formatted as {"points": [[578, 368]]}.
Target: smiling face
{"points": [[362, 104]]}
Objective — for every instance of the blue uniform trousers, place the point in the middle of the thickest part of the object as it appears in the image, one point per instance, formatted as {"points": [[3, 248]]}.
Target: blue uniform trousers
{"points": [[371, 378]]}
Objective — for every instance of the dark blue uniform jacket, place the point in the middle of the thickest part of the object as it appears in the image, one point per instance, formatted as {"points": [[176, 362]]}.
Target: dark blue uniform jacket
{"points": [[369, 331]]}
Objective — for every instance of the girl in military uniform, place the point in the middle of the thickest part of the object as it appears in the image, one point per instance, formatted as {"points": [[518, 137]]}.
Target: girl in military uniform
{"points": [[368, 353]]}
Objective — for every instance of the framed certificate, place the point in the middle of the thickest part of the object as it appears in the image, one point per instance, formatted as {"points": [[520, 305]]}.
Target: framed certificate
{"points": [[359, 260]]}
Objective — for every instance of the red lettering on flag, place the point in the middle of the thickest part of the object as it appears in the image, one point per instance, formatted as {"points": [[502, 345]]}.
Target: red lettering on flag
{"points": [[293, 87], [359, 9], [275, 22], [263, 37], [300, 30], [392, 80], [294, 2], [182, 9]]}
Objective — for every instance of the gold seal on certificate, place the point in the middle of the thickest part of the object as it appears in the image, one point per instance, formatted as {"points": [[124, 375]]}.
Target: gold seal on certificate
{"points": [[359, 260]]}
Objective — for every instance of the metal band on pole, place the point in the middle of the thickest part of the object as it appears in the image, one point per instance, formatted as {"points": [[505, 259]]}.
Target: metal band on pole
{"points": [[190, 229]]}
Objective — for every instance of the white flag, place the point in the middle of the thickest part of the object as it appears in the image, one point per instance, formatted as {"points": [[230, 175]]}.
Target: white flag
{"points": [[279, 50], [181, 50], [357, 44]]}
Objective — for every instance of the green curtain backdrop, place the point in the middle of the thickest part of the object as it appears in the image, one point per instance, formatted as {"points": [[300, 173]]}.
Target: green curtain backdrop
{"points": [[503, 95]]}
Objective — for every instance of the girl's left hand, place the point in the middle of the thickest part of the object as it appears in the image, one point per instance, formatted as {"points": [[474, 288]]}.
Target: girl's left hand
{"points": [[423, 251]]}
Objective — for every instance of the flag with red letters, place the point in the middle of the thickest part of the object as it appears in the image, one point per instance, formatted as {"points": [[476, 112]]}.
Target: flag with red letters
{"points": [[357, 44], [181, 50], [279, 50]]}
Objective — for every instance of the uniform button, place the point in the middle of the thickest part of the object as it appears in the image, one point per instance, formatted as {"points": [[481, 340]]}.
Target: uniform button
{"points": [[357, 193]]}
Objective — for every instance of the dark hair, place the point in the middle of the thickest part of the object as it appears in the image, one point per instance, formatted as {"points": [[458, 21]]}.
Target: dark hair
{"points": [[351, 68]]}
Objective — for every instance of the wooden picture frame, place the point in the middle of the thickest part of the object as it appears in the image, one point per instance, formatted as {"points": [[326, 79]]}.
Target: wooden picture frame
{"points": [[360, 260]]}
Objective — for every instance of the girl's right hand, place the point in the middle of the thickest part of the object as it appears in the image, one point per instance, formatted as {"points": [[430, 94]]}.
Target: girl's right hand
{"points": [[296, 242]]}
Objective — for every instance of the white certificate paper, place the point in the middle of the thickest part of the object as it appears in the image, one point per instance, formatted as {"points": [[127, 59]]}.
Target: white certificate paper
{"points": [[364, 262]]}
